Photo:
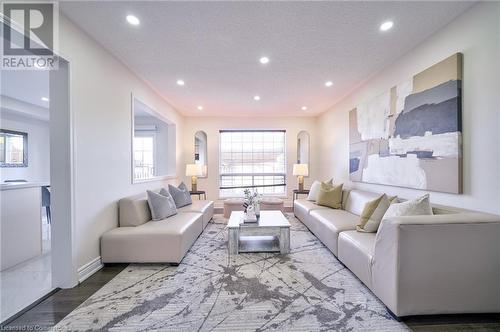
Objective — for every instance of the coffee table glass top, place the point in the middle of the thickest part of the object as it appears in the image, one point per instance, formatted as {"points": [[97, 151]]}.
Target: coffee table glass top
{"points": [[267, 219]]}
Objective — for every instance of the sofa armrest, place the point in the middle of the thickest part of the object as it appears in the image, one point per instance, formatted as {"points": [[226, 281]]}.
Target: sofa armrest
{"points": [[438, 264]]}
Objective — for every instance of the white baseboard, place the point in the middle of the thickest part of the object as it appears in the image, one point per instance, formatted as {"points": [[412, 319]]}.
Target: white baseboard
{"points": [[89, 269]]}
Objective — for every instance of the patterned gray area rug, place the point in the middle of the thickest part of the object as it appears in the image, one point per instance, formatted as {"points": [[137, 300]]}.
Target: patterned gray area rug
{"points": [[307, 290]]}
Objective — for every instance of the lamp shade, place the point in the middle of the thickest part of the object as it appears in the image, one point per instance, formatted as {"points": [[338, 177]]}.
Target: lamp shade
{"points": [[301, 169], [194, 170]]}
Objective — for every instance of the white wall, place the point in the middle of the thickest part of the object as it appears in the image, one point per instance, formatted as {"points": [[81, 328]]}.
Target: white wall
{"points": [[212, 125], [101, 88], [38, 148], [476, 34]]}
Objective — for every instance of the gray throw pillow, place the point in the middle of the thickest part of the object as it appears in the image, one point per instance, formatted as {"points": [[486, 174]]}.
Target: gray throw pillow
{"points": [[161, 206], [180, 195]]}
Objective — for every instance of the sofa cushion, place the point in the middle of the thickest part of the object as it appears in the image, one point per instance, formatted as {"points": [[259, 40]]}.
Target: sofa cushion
{"points": [[330, 196], [201, 206], [180, 195], [133, 210], [161, 205], [356, 251], [165, 240], [326, 224], [357, 199]]}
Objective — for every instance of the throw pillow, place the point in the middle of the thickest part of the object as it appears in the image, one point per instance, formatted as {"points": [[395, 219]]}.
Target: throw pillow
{"points": [[330, 196], [314, 191], [180, 195], [161, 206], [373, 213], [415, 207]]}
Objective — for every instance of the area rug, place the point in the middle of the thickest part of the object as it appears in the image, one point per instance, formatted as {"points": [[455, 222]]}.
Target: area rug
{"points": [[306, 290]]}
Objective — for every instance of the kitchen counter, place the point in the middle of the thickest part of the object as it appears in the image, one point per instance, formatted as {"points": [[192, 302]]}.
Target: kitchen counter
{"points": [[19, 185], [21, 222]]}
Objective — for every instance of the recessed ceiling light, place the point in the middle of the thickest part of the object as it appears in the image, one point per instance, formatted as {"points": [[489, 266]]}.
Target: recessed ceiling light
{"points": [[133, 20], [200, 108], [328, 84], [264, 60], [45, 99], [304, 108], [387, 25], [180, 82], [257, 98]]}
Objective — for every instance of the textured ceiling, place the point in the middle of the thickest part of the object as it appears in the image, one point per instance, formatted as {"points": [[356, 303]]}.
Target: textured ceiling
{"points": [[215, 46]]}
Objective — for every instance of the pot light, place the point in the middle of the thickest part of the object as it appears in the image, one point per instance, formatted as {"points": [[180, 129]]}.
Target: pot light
{"points": [[387, 25], [44, 99], [304, 108], [264, 60], [133, 20], [200, 108], [180, 82], [256, 98], [328, 84]]}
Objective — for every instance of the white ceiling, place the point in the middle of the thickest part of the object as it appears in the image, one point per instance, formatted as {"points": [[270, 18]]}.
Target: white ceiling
{"points": [[28, 86], [215, 46]]}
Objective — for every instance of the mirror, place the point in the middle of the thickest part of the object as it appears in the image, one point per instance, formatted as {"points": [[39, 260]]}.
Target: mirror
{"points": [[153, 144], [303, 147], [200, 150], [13, 148]]}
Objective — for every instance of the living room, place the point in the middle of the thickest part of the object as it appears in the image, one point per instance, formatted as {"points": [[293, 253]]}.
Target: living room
{"points": [[361, 211]]}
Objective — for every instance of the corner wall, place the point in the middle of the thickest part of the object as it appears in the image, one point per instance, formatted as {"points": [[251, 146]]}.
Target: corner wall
{"points": [[476, 34], [212, 125], [101, 88]]}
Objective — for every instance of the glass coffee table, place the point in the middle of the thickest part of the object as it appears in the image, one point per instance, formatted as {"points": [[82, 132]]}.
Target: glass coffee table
{"points": [[270, 233]]}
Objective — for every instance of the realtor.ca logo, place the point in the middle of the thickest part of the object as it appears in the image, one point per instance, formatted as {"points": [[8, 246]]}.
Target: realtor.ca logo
{"points": [[30, 35]]}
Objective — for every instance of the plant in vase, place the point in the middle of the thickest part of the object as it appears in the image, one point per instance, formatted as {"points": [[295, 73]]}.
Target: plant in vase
{"points": [[252, 199]]}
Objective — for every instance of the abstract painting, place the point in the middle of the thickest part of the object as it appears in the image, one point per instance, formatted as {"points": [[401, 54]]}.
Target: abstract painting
{"points": [[411, 135]]}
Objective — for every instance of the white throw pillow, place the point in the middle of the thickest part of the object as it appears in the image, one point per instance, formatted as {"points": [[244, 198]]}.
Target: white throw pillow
{"points": [[416, 207], [315, 188]]}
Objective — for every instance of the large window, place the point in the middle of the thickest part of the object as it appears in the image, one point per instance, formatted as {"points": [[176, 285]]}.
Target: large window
{"points": [[252, 159]]}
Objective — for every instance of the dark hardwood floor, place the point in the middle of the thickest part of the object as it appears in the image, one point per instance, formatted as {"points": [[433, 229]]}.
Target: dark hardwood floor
{"points": [[50, 311], [54, 308]]}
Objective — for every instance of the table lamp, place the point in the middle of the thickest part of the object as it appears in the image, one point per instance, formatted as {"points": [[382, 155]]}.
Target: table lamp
{"points": [[301, 170], [194, 170]]}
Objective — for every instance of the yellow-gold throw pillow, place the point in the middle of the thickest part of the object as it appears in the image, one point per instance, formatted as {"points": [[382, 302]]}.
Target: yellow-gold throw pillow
{"points": [[373, 213], [330, 196]]}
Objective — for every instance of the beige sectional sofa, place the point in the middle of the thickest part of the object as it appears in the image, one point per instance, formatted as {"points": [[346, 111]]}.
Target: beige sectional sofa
{"points": [[140, 240], [444, 263]]}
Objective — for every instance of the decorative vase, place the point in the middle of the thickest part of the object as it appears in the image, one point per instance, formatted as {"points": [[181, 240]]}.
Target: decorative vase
{"points": [[256, 207]]}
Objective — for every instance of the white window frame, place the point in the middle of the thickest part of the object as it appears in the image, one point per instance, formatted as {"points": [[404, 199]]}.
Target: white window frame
{"points": [[284, 174]]}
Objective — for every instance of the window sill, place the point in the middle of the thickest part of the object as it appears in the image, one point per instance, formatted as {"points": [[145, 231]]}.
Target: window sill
{"points": [[156, 178]]}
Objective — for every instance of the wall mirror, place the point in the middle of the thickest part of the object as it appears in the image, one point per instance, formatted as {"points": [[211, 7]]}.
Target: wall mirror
{"points": [[13, 148], [303, 146], [200, 151], [153, 144]]}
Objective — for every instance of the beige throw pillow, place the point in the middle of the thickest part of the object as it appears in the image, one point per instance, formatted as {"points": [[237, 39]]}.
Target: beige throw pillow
{"points": [[373, 213], [416, 207], [315, 187], [330, 196]]}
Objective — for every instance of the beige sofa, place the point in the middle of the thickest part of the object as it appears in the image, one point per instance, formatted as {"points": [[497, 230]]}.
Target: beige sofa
{"points": [[140, 240], [441, 264]]}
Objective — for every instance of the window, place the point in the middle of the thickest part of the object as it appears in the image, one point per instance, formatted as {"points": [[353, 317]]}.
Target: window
{"points": [[13, 149], [252, 159], [144, 157], [153, 144]]}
